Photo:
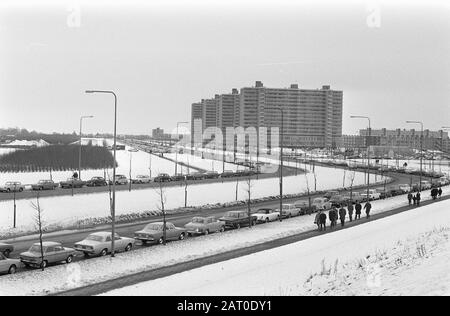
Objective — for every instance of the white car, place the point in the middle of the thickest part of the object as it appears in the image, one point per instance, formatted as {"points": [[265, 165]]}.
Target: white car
{"points": [[12, 186], [426, 185], [141, 179], [405, 188], [321, 203], [121, 179], [373, 194], [100, 244], [267, 215], [9, 266]]}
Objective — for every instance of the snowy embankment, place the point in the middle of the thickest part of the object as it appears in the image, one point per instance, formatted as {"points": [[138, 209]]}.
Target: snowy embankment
{"points": [[401, 255], [94, 270]]}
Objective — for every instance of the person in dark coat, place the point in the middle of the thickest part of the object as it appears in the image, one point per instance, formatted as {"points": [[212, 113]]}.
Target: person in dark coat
{"points": [[440, 192], [342, 214], [414, 199], [410, 196], [350, 211], [331, 217], [323, 221], [358, 208], [316, 220], [368, 207], [434, 193], [418, 197]]}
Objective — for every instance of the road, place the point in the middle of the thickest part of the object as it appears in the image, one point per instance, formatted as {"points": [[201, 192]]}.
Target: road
{"points": [[103, 287], [69, 239]]}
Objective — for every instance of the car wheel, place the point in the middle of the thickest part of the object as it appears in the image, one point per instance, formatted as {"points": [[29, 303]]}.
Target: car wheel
{"points": [[182, 236], [69, 259], [128, 247], [160, 241], [86, 255], [206, 232], [6, 253], [103, 252], [44, 264], [267, 220], [237, 226], [222, 229], [21, 189], [8, 190], [254, 223], [12, 269]]}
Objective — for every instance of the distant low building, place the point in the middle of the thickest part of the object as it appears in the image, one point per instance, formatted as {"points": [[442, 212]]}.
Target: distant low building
{"points": [[158, 133]]}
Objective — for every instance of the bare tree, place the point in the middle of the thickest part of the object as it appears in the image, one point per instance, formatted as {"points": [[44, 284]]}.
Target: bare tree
{"points": [[309, 193], [248, 189], [110, 194], [343, 180], [39, 225], [315, 180], [162, 200], [185, 191], [352, 180]]}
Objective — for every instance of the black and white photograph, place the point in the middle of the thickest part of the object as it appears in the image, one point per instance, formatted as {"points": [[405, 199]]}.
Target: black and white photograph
{"points": [[224, 154]]}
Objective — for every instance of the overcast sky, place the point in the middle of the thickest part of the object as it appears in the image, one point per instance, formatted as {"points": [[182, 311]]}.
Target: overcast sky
{"points": [[391, 60]]}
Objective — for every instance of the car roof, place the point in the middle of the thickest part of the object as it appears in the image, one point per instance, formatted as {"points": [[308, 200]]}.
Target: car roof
{"points": [[101, 234], [48, 244]]}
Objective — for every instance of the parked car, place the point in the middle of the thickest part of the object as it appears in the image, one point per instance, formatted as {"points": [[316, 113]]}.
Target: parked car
{"points": [[6, 249], [196, 176], [338, 200], [237, 219], [7, 265], [97, 182], [426, 185], [72, 183], [44, 185], [329, 194], [354, 197], [12, 186], [265, 215], [120, 179], [227, 174], [100, 244], [154, 233], [304, 207], [373, 194], [290, 210], [394, 190], [141, 179], [385, 194], [321, 203], [405, 188], [204, 225], [162, 177], [54, 252], [211, 175], [178, 177]]}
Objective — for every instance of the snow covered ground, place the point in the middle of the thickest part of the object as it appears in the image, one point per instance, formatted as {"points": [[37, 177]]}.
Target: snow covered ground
{"points": [[98, 269], [292, 269]]}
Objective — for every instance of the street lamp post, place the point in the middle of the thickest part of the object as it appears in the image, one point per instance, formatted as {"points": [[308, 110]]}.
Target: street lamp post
{"points": [[368, 151], [81, 135], [176, 148], [113, 204], [421, 150], [281, 161]]}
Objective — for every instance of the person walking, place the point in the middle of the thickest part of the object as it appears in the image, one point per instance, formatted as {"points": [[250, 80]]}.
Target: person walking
{"points": [[331, 217], [317, 219], [418, 197], [358, 208], [342, 214], [434, 193], [414, 199], [368, 207], [350, 211], [410, 196], [440, 192], [323, 221]]}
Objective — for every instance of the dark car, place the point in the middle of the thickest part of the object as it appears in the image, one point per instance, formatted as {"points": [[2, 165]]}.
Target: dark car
{"points": [[393, 191], [211, 175], [237, 219], [72, 183], [44, 185], [6, 249], [178, 177], [163, 177], [338, 200], [97, 182], [227, 174]]}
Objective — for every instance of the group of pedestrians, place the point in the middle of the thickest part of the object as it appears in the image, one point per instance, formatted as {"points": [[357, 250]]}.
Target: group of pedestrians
{"points": [[414, 198], [341, 214], [436, 192]]}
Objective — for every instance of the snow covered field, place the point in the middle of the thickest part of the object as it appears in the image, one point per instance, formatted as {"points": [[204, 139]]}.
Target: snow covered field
{"points": [[286, 270], [99, 269]]}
